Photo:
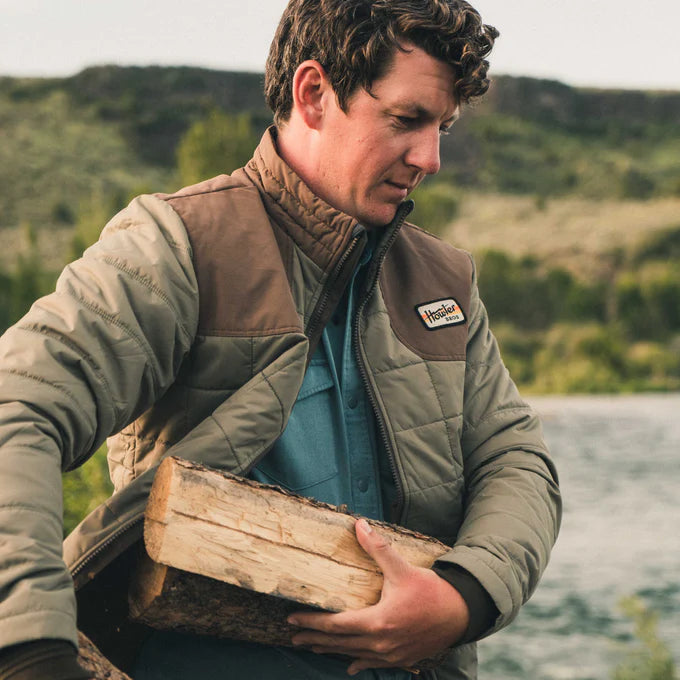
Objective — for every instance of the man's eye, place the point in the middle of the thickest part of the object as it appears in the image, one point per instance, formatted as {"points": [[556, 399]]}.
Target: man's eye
{"points": [[405, 121]]}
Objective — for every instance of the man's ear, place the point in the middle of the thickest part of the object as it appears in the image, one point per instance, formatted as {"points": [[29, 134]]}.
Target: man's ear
{"points": [[311, 89]]}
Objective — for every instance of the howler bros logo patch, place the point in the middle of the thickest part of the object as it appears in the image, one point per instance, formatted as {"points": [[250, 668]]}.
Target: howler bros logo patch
{"points": [[440, 313]]}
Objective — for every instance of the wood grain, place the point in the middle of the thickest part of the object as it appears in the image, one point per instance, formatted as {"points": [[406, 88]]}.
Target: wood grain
{"points": [[267, 540], [233, 558], [92, 660]]}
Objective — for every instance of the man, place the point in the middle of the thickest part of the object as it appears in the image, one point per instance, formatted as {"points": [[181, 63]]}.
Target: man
{"points": [[286, 323]]}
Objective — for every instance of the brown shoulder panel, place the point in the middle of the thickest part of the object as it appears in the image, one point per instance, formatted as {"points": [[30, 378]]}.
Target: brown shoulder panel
{"points": [[242, 282], [420, 277]]}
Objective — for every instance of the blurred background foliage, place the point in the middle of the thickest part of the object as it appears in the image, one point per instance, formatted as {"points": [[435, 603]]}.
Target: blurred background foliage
{"points": [[76, 150], [218, 144], [647, 657], [85, 488], [601, 315], [561, 333]]}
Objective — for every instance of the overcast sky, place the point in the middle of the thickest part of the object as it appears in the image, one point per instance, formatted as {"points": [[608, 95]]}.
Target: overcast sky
{"points": [[602, 43]]}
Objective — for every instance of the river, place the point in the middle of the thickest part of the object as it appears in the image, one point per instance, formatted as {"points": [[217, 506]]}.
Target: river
{"points": [[619, 464]]}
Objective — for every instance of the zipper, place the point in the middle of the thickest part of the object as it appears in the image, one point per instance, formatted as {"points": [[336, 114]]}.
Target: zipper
{"points": [[336, 276], [103, 546], [317, 315], [371, 283]]}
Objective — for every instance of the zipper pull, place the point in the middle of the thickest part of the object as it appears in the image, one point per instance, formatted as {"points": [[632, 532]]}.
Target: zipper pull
{"points": [[357, 231]]}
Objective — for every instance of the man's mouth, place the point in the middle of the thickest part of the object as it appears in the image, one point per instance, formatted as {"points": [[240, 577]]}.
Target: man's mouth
{"points": [[403, 186]]}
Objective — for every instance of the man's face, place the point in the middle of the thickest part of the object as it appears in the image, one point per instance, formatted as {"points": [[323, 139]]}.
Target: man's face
{"points": [[374, 155]]}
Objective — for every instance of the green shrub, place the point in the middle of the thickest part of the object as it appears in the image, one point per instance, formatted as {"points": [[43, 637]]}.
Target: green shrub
{"points": [[27, 281], [662, 245], [654, 365], [62, 213], [648, 300], [93, 214], [437, 205], [584, 301], [650, 659], [27, 278], [513, 290], [85, 488], [519, 349], [636, 184], [521, 291], [218, 144], [580, 358]]}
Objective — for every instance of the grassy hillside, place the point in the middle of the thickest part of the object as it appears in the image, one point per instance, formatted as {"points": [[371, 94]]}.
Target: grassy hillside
{"points": [[119, 128], [572, 232], [54, 154], [107, 130], [568, 197], [541, 137]]}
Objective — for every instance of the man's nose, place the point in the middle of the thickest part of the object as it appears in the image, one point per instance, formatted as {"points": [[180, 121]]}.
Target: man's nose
{"points": [[424, 152]]}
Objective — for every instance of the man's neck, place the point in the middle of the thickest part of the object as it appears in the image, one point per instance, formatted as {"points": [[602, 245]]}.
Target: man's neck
{"points": [[296, 147]]}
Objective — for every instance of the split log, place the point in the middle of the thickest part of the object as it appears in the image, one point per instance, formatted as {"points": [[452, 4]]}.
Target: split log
{"points": [[232, 557], [92, 660]]}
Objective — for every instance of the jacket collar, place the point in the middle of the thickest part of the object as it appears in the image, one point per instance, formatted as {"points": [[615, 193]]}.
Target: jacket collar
{"points": [[317, 228]]}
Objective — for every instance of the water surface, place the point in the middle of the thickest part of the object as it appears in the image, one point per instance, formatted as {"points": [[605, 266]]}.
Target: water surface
{"points": [[619, 464]]}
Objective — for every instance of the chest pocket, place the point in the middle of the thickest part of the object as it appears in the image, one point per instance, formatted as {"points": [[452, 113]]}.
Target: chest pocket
{"points": [[304, 459]]}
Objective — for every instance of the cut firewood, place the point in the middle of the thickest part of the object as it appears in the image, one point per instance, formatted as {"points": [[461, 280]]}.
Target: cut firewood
{"points": [[167, 598], [93, 661], [232, 557]]}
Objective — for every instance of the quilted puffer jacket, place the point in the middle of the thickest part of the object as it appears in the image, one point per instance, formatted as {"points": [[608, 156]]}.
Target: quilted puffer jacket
{"points": [[186, 330]]}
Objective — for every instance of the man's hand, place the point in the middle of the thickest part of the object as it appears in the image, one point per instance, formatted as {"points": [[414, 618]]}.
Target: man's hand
{"points": [[419, 614]]}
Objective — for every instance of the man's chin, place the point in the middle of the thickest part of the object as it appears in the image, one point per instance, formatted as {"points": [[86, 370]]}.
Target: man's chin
{"points": [[380, 218]]}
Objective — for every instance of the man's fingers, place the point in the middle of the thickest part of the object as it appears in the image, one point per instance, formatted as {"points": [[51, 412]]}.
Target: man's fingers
{"points": [[351, 645], [391, 563], [376, 653], [351, 622]]}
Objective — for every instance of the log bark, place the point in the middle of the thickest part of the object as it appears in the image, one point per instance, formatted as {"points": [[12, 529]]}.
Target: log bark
{"points": [[92, 660], [167, 598], [232, 557]]}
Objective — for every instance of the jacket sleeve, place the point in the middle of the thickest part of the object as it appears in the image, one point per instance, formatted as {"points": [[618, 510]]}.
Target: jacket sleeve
{"points": [[83, 363], [513, 504]]}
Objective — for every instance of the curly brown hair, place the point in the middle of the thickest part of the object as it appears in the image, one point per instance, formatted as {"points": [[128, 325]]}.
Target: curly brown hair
{"points": [[354, 41]]}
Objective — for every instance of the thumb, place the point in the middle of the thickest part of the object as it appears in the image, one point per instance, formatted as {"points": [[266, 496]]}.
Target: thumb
{"points": [[377, 546]]}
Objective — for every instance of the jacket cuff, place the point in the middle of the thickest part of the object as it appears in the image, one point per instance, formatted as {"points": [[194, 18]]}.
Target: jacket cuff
{"points": [[41, 660], [483, 611]]}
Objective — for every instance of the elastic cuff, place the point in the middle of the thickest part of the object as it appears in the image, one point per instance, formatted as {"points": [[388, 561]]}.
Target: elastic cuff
{"points": [[483, 611], [41, 660]]}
